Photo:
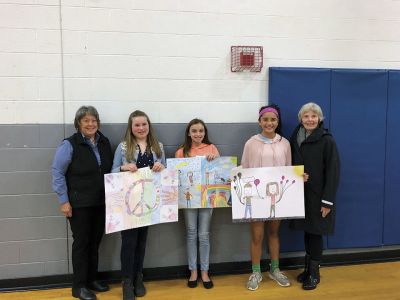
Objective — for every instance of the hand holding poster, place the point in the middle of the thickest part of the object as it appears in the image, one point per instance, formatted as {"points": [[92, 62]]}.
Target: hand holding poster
{"points": [[141, 198], [260, 194]]}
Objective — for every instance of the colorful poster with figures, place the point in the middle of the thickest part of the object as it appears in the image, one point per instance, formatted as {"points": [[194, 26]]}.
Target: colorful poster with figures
{"points": [[189, 172], [203, 183], [141, 198], [260, 194]]}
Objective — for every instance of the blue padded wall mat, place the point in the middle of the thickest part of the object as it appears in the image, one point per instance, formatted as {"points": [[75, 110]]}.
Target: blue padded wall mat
{"points": [[290, 88], [391, 233], [358, 121], [360, 108]]}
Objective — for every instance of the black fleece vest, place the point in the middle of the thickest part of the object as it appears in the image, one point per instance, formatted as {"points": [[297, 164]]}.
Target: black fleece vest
{"points": [[85, 178]]}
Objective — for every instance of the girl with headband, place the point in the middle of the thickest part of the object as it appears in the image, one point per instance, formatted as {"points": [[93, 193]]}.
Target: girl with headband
{"points": [[266, 149]]}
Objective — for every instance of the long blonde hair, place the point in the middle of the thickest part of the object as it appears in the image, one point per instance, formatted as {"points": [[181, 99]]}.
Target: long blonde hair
{"points": [[152, 142]]}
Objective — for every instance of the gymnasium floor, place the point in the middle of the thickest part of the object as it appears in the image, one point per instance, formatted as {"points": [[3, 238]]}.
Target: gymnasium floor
{"points": [[367, 281]]}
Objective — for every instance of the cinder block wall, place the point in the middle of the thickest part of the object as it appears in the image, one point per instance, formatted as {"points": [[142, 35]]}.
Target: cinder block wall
{"points": [[169, 58]]}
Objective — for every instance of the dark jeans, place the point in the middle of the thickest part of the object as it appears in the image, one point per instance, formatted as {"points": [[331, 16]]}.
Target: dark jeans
{"points": [[313, 245], [133, 248], [87, 225]]}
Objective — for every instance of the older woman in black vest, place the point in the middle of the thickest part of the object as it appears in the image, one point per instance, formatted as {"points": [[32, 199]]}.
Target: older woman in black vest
{"points": [[78, 168], [314, 147]]}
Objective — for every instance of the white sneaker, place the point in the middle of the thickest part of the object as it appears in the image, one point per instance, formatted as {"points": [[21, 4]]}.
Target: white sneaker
{"points": [[279, 277], [254, 280]]}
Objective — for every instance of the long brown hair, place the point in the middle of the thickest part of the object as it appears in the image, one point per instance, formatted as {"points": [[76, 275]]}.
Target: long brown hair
{"points": [[187, 144], [152, 142]]}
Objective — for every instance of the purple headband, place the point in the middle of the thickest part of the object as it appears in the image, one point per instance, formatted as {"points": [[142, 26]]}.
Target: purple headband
{"points": [[268, 109]]}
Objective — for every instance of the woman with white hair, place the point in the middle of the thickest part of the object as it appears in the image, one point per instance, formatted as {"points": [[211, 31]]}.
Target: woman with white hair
{"points": [[314, 147]]}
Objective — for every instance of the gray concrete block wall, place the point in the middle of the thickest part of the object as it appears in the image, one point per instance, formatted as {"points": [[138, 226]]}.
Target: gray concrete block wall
{"points": [[35, 239], [33, 234]]}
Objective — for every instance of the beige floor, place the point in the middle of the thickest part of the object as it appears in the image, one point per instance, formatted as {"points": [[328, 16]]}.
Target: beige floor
{"points": [[368, 281]]}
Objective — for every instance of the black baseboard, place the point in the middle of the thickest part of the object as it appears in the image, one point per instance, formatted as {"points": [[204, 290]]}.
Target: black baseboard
{"points": [[175, 272]]}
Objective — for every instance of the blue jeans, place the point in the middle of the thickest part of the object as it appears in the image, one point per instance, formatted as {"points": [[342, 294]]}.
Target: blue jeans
{"points": [[198, 226], [247, 209]]}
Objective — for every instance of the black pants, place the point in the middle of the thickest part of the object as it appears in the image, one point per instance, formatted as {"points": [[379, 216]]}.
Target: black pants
{"points": [[87, 225], [133, 248], [313, 245]]}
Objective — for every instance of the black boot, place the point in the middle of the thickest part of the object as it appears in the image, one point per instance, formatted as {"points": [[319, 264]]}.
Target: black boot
{"points": [[313, 277], [127, 289], [139, 287], [302, 276], [83, 294]]}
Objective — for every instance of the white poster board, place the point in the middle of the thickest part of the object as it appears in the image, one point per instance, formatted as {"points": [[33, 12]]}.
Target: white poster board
{"points": [[267, 193]]}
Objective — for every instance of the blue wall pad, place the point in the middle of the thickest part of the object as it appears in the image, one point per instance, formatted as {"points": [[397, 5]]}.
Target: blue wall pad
{"points": [[290, 240], [361, 108], [358, 121], [391, 234], [290, 88]]}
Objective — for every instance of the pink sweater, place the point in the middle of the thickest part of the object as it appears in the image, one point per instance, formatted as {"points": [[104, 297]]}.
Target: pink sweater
{"points": [[258, 153]]}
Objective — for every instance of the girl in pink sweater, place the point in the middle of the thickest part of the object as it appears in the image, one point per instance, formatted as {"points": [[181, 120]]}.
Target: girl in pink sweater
{"points": [[267, 149]]}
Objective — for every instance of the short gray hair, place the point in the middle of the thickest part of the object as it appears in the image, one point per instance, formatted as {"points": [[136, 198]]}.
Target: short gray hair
{"points": [[83, 111], [311, 106]]}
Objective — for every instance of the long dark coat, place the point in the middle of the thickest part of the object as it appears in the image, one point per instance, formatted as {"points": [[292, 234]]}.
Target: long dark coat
{"points": [[319, 155]]}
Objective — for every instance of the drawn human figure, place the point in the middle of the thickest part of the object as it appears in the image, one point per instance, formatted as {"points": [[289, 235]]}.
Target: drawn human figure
{"points": [[180, 178], [190, 177], [207, 176], [247, 199], [188, 197], [272, 191]]}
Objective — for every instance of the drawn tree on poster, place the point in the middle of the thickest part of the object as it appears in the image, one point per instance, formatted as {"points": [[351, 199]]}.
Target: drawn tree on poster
{"points": [[237, 186], [284, 185]]}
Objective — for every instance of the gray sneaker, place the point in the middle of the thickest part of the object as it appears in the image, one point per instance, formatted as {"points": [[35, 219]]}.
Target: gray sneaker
{"points": [[254, 280], [279, 277]]}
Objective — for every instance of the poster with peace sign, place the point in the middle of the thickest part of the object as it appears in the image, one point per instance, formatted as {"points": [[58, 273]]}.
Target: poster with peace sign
{"points": [[141, 198]]}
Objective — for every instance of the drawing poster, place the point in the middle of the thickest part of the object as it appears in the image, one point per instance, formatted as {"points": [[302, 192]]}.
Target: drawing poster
{"points": [[141, 198], [267, 193], [203, 183]]}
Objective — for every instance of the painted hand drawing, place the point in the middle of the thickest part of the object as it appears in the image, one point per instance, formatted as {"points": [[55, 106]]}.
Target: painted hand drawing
{"points": [[141, 198], [256, 193]]}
